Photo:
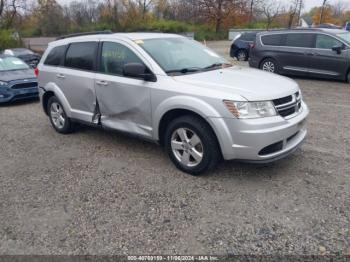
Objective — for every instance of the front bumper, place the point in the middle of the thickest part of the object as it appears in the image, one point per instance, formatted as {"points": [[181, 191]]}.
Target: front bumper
{"points": [[261, 140], [10, 95]]}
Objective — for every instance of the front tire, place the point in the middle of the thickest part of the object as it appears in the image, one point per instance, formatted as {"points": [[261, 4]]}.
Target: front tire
{"points": [[269, 65], [192, 145], [58, 117], [348, 77]]}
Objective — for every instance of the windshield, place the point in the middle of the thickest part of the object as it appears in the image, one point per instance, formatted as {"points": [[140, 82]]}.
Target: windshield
{"points": [[12, 63], [345, 36], [21, 51], [181, 55]]}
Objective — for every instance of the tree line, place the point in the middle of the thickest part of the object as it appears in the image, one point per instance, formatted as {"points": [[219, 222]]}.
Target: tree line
{"points": [[209, 19]]}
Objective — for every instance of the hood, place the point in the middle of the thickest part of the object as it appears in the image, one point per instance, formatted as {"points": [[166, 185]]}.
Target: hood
{"points": [[14, 75], [252, 84]]}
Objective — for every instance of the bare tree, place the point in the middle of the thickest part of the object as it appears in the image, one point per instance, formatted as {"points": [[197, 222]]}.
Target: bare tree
{"points": [[339, 7], [271, 10], [293, 11], [144, 6], [322, 10], [218, 10]]}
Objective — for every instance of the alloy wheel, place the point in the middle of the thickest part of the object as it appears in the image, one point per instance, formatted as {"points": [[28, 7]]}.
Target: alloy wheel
{"points": [[187, 147], [57, 115], [269, 66], [241, 56]]}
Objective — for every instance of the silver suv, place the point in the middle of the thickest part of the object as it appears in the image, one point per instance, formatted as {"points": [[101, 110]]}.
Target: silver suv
{"points": [[174, 91]]}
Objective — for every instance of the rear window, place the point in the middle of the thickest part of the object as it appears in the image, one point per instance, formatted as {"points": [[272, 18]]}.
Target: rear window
{"points": [[274, 40], [55, 56], [81, 56], [299, 40]]}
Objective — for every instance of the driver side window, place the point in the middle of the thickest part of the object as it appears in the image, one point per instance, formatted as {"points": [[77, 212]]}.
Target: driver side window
{"points": [[326, 42], [114, 56]]}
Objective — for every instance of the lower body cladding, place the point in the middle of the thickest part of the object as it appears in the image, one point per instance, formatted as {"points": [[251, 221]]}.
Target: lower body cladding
{"points": [[11, 95], [260, 140]]}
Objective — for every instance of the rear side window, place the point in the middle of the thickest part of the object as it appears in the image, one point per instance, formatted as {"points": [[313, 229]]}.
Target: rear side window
{"points": [[81, 56], [274, 40], [326, 42], [55, 56], [114, 56], [299, 40]]}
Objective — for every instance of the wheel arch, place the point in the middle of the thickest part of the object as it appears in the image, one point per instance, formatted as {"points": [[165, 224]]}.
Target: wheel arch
{"points": [[52, 89], [183, 106]]}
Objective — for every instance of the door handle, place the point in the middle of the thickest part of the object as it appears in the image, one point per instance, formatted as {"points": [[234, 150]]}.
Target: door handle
{"points": [[102, 83], [60, 76]]}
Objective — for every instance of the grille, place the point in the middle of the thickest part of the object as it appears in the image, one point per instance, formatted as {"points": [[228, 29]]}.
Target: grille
{"points": [[25, 85], [289, 105]]}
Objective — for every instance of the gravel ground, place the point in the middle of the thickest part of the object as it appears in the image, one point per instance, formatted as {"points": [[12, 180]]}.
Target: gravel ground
{"points": [[97, 192]]}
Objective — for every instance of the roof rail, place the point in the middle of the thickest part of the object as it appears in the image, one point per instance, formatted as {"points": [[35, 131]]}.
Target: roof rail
{"points": [[105, 32]]}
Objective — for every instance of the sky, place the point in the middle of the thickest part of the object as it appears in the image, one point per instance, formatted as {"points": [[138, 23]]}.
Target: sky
{"points": [[308, 3]]}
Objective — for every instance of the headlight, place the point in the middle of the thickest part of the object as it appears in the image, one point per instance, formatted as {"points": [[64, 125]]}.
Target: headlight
{"points": [[2, 83], [251, 109]]}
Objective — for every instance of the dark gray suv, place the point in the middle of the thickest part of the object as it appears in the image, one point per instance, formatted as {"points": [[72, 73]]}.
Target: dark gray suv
{"points": [[321, 53]]}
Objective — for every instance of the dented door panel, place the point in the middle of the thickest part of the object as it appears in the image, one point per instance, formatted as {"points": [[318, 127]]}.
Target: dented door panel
{"points": [[124, 104]]}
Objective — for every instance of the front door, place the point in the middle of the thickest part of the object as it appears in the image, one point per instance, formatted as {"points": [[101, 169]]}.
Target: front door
{"points": [[124, 102], [326, 62]]}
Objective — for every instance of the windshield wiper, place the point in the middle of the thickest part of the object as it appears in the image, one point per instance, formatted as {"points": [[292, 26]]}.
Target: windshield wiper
{"points": [[217, 65], [184, 70]]}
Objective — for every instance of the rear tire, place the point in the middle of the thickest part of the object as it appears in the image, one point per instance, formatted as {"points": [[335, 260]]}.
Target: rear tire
{"points": [[58, 117], [348, 77], [269, 65], [192, 145], [242, 55]]}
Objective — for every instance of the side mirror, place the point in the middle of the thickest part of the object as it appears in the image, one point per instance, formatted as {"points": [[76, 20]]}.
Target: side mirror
{"points": [[338, 49], [138, 70]]}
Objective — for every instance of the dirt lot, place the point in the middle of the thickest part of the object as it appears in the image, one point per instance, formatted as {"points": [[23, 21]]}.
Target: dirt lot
{"points": [[96, 192]]}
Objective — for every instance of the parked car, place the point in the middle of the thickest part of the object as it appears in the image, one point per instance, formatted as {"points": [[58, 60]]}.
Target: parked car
{"points": [[347, 26], [17, 80], [174, 91], [28, 56], [329, 26], [323, 53], [241, 45]]}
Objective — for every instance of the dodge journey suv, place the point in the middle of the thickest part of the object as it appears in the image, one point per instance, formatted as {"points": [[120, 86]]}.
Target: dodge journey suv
{"points": [[174, 91]]}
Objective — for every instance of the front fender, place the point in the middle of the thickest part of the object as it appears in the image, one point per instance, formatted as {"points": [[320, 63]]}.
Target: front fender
{"points": [[200, 107]]}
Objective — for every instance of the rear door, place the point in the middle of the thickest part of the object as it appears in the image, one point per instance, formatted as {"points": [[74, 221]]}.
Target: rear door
{"points": [[328, 63], [296, 50], [77, 79], [124, 102]]}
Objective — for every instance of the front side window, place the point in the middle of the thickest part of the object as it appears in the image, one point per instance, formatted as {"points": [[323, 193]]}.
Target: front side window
{"points": [[273, 40], [181, 54], [114, 56], [299, 40], [11, 64], [55, 56], [81, 56], [326, 42]]}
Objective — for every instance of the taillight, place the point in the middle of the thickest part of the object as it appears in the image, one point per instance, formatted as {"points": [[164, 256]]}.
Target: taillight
{"points": [[252, 45], [36, 72]]}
